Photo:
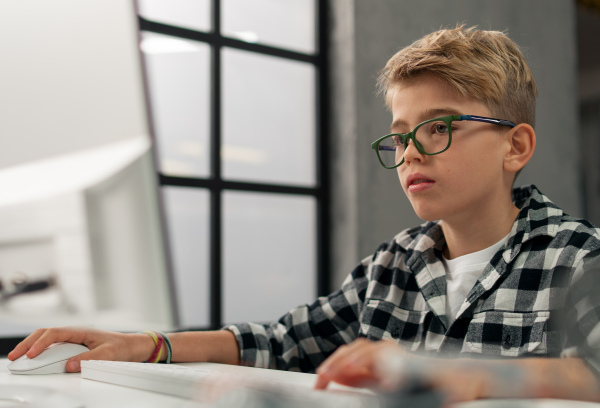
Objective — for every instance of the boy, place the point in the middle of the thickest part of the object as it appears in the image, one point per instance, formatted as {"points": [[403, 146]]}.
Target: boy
{"points": [[490, 273]]}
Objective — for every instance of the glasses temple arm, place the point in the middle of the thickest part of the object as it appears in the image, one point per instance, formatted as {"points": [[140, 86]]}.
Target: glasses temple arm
{"points": [[500, 122]]}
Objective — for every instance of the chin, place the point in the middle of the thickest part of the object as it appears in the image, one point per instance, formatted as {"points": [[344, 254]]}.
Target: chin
{"points": [[426, 218], [427, 214]]}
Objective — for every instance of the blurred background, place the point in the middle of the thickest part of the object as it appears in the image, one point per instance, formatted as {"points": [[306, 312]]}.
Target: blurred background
{"points": [[263, 113]]}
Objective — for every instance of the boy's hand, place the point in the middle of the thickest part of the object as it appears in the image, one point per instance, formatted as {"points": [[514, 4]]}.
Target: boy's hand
{"points": [[385, 366], [103, 345], [355, 364]]}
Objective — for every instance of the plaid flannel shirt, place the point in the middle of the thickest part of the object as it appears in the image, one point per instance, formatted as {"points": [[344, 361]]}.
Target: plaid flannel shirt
{"points": [[532, 299]]}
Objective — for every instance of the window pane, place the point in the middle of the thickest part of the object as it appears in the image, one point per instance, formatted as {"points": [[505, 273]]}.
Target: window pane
{"points": [[194, 14], [269, 264], [285, 24], [178, 76], [268, 119], [187, 212]]}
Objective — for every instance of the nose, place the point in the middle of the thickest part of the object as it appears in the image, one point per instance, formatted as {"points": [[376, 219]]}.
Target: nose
{"points": [[411, 153]]}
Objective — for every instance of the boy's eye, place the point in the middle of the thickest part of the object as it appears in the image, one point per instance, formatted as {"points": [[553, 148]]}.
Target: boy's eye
{"points": [[440, 128]]}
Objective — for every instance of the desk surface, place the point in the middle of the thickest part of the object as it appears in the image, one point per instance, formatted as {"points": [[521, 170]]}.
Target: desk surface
{"points": [[99, 395]]}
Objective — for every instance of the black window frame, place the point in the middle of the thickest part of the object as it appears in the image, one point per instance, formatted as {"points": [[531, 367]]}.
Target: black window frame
{"points": [[216, 185]]}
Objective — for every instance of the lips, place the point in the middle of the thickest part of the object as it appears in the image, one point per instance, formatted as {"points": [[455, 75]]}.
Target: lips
{"points": [[419, 182], [418, 179]]}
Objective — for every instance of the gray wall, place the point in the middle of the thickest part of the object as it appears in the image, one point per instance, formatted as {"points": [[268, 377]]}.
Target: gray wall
{"points": [[368, 205], [588, 58]]}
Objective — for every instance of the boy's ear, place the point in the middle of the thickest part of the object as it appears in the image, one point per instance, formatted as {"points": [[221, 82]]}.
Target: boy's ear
{"points": [[521, 143]]}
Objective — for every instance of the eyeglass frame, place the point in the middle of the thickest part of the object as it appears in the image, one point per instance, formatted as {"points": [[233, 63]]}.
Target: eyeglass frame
{"points": [[447, 120]]}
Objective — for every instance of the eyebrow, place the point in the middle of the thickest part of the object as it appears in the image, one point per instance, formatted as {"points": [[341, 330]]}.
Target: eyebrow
{"points": [[428, 114]]}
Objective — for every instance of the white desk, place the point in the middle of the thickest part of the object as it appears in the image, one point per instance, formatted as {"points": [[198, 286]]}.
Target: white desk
{"points": [[97, 394], [100, 395]]}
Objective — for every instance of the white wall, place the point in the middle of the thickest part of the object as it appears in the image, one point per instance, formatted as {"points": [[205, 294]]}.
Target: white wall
{"points": [[70, 81]]}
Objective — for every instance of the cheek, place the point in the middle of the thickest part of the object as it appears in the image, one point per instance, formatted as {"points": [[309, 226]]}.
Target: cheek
{"points": [[475, 161], [401, 177]]}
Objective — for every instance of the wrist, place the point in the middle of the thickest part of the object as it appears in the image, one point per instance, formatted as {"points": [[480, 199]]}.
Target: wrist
{"points": [[144, 347], [162, 350]]}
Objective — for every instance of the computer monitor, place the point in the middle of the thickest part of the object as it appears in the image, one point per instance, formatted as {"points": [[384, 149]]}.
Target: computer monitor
{"points": [[82, 235]]}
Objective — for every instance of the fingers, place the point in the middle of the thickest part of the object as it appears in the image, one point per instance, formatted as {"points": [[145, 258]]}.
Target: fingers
{"points": [[353, 377], [55, 335], [24, 346], [74, 363], [353, 364], [341, 355], [322, 381], [40, 339], [330, 368]]}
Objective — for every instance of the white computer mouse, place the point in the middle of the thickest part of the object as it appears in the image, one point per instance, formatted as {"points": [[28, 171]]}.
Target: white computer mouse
{"points": [[53, 360]]}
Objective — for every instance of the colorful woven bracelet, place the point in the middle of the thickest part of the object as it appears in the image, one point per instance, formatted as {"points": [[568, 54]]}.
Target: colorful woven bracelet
{"points": [[169, 347], [158, 341], [155, 357]]}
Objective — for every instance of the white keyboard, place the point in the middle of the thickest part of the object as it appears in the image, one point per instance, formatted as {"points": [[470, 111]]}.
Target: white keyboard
{"points": [[210, 385]]}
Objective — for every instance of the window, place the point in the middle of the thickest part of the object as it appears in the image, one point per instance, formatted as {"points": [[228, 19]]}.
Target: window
{"points": [[237, 91]]}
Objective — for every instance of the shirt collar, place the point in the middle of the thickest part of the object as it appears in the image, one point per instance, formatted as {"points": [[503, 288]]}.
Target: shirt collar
{"points": [[538, 216]]}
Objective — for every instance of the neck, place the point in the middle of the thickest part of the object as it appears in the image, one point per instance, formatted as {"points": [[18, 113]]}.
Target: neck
{"points": [[478, 230]]}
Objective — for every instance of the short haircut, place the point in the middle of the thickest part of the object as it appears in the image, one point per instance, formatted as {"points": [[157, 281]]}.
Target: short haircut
{"points": [[484, 65]]}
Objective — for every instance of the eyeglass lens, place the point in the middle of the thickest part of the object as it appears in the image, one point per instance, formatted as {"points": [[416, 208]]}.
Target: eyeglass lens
{"points": [[432, 137]]}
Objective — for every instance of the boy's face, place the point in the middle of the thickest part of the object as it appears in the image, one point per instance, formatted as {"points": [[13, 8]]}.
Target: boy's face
{"points": [[468, 179]]}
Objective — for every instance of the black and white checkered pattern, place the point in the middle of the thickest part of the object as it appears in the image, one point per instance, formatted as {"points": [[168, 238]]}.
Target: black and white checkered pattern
{"points": [[531, 299]]}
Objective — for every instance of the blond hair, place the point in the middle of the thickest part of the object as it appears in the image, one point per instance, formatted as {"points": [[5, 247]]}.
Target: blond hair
{"points": [[484, 65]]}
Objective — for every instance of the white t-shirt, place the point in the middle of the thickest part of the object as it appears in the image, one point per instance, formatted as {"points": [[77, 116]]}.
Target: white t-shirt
{"points": [[461, 275]]}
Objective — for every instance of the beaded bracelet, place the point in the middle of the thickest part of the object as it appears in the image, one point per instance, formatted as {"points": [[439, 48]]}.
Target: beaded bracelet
{"points": [[158, 341]]}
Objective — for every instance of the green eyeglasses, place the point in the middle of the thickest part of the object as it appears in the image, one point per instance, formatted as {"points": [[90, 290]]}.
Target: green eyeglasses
{"points": [[433, 136]]}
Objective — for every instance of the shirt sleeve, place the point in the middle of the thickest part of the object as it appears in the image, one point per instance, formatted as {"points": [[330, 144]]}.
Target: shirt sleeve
{"points": [[582, 317], [305, 336]]}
